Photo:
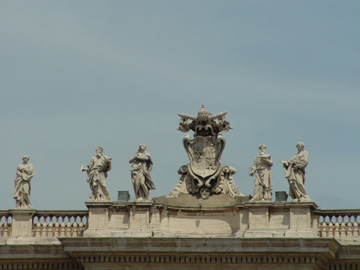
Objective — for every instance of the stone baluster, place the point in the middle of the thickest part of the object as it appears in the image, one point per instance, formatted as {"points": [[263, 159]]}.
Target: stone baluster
{"points": [[44, 227], [324, 225], [2, 230], [7, 228], [337, 229], [81, 227], [57, 227], [50, 228], [69, 228], [38, 228], [75, 229], [356, 229], [343, 229], [331, 229], [62, 227], [323, 229], [350, 229]]}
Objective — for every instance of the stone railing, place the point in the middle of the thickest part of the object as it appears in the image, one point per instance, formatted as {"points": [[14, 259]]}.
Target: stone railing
{"points": [[5, 223], [149, 219], [35, 224], [59, 223], [338, 223]]}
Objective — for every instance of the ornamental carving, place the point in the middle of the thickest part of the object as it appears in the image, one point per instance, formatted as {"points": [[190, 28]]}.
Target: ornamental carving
{"points": [[204, 174]]}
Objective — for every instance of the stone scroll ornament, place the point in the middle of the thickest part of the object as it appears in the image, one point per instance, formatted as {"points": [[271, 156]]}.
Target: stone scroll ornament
{"points": [[204, 174]]}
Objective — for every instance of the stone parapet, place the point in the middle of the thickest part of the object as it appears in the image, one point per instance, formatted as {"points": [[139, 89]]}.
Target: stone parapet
{"points": [[162, 218], [159, 219], [161, 235]]}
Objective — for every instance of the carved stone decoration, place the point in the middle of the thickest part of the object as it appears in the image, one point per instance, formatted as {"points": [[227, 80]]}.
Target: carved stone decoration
{"points": [[295, 174], [140, 174], [24, 173], [263, 176], [204, 174], [96, 176]]}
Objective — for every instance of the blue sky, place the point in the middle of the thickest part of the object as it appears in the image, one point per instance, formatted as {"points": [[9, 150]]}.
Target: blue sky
{"points": [[78, 74]]}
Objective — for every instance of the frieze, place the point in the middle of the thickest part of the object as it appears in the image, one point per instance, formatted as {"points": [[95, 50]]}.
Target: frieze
{"points": [[203, 259], [41, 265]]}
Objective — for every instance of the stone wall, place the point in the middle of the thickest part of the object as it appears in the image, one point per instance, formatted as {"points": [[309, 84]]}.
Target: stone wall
{"points": [[156, 235]]}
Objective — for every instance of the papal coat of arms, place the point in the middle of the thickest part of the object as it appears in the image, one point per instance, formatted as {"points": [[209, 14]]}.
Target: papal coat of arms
{"points": [[204, 174]]}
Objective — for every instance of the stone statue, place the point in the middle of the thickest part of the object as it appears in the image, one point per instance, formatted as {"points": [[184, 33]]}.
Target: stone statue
{"points": [[204, 175], [24, 173], [140, 174], [96, 176], [263, 179], [295, 173]]}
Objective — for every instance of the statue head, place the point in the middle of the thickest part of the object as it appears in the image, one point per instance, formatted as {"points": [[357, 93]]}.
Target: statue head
{"points": [[142, 148], [262, 148], [25, 158], [300, 146], [99, 150], [204, 192]]}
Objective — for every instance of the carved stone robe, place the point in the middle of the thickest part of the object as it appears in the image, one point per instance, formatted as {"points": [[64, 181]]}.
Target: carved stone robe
{"points": [[263, 179], [295, 173], [140, 175], [97, 173], [22, 190]]}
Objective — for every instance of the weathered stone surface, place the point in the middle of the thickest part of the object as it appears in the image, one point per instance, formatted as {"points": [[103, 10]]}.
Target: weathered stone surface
{"points": [[213, 253], [295, 174], [22, 222], [96, 176], [204, 175], [24, 173], [140, 174], [98, 223], [188, 200], [263, 176]]}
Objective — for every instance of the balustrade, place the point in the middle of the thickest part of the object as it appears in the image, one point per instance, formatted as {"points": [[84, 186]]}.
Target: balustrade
{"points": [[332, 223], [59, 223], [5, 223], [338, 223]]}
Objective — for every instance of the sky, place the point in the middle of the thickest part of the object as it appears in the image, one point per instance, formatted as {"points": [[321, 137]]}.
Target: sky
{"points": [[75, 75]]}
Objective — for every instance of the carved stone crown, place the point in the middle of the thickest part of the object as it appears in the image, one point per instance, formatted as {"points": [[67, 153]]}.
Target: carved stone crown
{"points": [[205, 124]]}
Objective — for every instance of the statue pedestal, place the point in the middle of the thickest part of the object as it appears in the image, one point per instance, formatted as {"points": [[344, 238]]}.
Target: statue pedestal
{"points": [[302, 220], [258, 219], [277, 219], [114, 219], [139, 220], [22, 222], [99, 216]]}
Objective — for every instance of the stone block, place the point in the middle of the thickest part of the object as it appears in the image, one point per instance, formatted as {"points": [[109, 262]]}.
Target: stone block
{"points": [[22, 222]]}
